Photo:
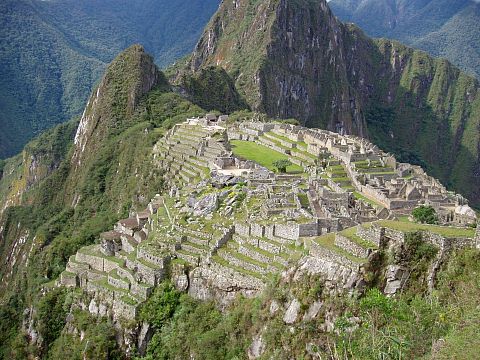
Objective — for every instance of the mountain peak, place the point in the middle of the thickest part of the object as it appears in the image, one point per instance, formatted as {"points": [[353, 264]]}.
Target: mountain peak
{"points": [[281, 55], [129, 76]]}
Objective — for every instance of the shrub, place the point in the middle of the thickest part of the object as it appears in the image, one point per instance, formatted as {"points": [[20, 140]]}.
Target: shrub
{"points": [[161, 306], [425, 215], [282, 165]]}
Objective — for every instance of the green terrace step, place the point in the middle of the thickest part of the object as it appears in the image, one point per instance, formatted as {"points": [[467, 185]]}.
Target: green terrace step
{"points": [[192, 167], [281, 249], [280, 253], [194, 248], [189, 171], [185, 176], [327, 242], [189, 232], [197, 134], [183, 147], [351, 233], [270, 143], [192, 129], [74, 266], [252, 251], [349, 241], [376, 170], [304, 156], [185, 135], [243, 261], [175, 166], [302, 145], [147, 263], [213, 150], [198, 241], [198, 161], [117, 281], [191, 258], [178, 155], [117, 292], [224, 263], [126, 273]]}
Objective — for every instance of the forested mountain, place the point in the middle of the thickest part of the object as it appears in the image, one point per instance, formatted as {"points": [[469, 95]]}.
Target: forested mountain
{"points": [[445, 28], [52, 52], [349, 289]]}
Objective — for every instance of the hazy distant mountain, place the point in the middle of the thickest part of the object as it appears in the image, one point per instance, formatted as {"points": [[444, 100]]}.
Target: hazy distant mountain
{"points": [[447, 28], [52, 52]]}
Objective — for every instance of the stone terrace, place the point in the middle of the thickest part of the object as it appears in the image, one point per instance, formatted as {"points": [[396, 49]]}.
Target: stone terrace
{"points": [[226, 233]]}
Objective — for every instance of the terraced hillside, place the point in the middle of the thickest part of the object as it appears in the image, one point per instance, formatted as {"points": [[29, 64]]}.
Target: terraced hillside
{"points": [[230, 220]]}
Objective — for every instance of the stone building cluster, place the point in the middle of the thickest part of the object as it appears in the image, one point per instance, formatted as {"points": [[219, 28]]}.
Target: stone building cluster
{"points": [[226, 223]]}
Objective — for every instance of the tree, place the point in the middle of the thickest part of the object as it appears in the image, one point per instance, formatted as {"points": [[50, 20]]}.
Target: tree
{"points": [[425, 215], [282, 165]]}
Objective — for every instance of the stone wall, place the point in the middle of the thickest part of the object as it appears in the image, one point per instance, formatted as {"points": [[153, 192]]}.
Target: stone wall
{"points": [[95, 262], [148, 274], [310, 229], [328, 255], [119, 283], [123, 310], [432, 238], [237, 279], [243, 264], [257, 230], [328, 225], [161, 261], [373, 234], [254, 254], [287, 231], [242, 229], [268, 246], [227, 236], [394, 235], [141, 291], [350, 247], [69, 279], [124, 273], [477, 236], [75, 267]]}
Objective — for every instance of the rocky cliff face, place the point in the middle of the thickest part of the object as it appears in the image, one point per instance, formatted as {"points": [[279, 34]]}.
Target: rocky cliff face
{"points": [[287, 58], [295, 59], [130, 76]]}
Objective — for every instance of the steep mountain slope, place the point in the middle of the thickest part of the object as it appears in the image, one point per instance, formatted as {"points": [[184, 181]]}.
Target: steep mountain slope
{"points": [[53, 52], [442, 28], [295, 59], [65, 188]]}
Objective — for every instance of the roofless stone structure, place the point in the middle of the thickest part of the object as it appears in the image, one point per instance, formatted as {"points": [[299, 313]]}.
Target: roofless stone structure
{"points": [[228, 220]]}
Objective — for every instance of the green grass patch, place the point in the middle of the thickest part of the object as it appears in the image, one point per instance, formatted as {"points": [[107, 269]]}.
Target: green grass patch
{"points": [[447, 231], [351, 233], [239, 269], [303, 200], [328, 242], [246, 258], [359, 196], [261, 154]]}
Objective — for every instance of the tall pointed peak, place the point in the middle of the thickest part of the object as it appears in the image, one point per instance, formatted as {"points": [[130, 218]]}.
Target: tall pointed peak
{"points": [[282, 54], [130, 76]]}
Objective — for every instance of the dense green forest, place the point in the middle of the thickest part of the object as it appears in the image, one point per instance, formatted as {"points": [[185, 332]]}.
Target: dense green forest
{"points": [[445, 28], [52, 53]]}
